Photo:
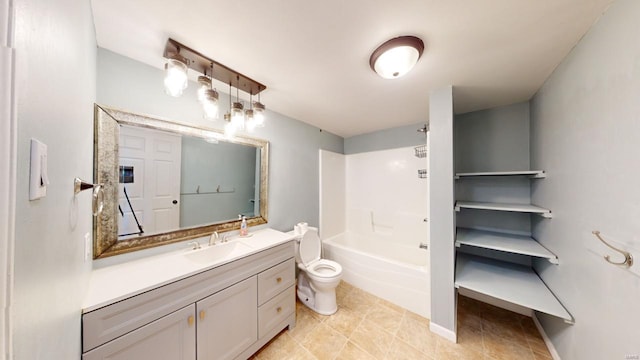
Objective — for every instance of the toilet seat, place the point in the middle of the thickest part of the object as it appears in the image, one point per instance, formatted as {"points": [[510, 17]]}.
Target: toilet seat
{"points": [[310, 247], [325, 269]]}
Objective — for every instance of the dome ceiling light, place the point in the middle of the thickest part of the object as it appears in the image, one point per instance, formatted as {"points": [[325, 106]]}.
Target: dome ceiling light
{"points": [[396, 57]]}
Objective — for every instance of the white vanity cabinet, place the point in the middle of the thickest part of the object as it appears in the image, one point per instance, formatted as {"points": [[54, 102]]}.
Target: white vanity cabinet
{"points": [[172, 337], [227, 321], [224, 312]]}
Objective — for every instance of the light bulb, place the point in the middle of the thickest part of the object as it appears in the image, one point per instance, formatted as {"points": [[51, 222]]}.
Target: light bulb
{"points": [[175, 78], [210, 104]]}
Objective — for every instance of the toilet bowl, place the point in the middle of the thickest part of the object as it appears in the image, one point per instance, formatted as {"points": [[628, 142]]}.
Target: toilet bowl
{"points": [[318, 277]]}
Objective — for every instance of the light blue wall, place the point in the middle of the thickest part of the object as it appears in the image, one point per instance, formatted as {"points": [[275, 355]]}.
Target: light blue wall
{"points": [[495, 139], [55, 87], [585, 132], [205, 167], [441, 212], [393, 138], [293, 165]]}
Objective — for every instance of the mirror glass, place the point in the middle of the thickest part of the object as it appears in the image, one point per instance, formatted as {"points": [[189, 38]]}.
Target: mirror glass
{"points": [[166, 182]]}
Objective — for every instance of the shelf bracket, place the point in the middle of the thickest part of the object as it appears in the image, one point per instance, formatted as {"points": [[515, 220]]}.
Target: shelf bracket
{"points": [[546, 215], [554, 260], [540, 175]]}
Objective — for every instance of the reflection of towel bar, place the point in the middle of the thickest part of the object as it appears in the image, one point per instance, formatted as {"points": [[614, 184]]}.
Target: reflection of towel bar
{"points": [[210, 192]]}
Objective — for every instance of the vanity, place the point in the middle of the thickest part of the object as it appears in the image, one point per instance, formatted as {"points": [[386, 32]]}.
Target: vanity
{"points": [[223, 301]]}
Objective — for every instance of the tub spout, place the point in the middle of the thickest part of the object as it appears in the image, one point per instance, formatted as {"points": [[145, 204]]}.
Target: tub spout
{"points": [[423, 246]]}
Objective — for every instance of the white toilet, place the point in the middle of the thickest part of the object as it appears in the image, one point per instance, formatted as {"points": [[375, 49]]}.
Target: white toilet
{"points": [[318, 277]]}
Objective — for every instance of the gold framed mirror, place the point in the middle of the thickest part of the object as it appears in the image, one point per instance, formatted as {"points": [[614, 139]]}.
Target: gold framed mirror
{"points": [[166, 181]]}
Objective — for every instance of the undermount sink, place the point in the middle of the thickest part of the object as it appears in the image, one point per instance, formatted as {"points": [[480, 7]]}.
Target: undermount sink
{"points": [[218, 252]]}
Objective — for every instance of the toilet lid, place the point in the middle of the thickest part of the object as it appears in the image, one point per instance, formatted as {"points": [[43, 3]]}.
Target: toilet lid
{"points": [[309, 247]]}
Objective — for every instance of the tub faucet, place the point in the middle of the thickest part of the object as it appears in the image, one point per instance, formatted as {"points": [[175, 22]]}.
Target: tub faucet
{"points": [[423, 246]]}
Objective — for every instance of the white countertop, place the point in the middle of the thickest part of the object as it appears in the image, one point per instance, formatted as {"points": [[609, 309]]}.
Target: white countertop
{"points": [[117, 282]]}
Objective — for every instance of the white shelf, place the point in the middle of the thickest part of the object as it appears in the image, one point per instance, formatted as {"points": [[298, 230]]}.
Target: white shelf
{"points": [[523, 208], [517, 244], [534, 174], [513, 283]]}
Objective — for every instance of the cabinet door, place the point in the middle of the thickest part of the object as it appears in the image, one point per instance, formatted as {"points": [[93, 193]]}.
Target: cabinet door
{"points": [[228, 321], [171, 337]]}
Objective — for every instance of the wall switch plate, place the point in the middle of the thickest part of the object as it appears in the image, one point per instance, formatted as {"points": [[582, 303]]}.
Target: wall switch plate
{"points": [[38, 177], [87, 247]]}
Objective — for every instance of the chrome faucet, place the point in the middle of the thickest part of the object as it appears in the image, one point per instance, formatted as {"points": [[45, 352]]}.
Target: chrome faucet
{"points": [[214, 238], [423, 246], [195, 244]]}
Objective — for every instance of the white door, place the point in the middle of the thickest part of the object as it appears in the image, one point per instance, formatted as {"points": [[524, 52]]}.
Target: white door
{"points": [[153, 159], [172, 337]]}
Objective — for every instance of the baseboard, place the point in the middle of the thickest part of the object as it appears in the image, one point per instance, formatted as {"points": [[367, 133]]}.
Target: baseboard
{"points": [[444, 332], [547, 341]]}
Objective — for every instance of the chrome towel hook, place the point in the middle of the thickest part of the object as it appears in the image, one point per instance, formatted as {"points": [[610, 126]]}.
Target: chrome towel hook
{"points": [[628, 258], [98, 193]]}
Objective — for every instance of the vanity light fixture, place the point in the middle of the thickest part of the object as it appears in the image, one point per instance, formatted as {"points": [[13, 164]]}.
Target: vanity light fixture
{"points": [[175, 77], [396, 57], [182, 57]]}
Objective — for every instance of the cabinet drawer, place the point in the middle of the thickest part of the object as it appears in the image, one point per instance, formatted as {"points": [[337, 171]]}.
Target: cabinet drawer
{"points": [[276, 310], [272, 281]]}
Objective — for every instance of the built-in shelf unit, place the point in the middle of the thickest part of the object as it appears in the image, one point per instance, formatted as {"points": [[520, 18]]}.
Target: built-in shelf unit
{"points": [[503, 280]]}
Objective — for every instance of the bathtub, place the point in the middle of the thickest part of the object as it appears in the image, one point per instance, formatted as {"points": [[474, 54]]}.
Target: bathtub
{"points": [[386, 269]]}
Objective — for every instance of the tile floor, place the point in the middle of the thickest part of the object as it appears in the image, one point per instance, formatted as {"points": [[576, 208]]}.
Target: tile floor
{"points": [[367, 327]]}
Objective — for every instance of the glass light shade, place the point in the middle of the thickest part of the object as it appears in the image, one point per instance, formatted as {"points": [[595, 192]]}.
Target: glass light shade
{"points": [[229, 130], [205, 84], [249, 120], [396, 57], [210, 104], [237, 115], [396, 62], [258, 113], [175, 77]]}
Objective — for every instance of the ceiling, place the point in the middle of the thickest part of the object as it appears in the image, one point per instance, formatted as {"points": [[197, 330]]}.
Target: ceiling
{"points": [[314, 55]]}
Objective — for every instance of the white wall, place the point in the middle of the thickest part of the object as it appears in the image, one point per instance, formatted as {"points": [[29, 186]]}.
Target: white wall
{"points": [[293, 165], [332, 194], [7, 173], [55, 86], [385, 197], [441, 212], [585, 127]]}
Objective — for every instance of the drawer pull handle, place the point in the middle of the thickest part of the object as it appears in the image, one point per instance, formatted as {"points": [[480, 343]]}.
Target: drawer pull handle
{"points": [[202, 314], [279, 309], [191, 320], [279, 280]]}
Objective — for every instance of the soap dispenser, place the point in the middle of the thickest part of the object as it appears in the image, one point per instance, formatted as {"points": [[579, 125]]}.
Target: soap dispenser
{"points": [[244, 230]]}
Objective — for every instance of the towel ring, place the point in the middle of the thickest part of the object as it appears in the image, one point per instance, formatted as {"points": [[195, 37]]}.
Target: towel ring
{"points": [[628, 258], [97, 197]]}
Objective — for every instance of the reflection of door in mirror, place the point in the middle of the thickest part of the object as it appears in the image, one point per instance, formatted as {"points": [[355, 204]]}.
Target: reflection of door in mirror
{"points": [[149, 181]]}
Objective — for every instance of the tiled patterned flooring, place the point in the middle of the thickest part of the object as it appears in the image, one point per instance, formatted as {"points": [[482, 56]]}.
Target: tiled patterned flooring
{"points": [[367, 327]]}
